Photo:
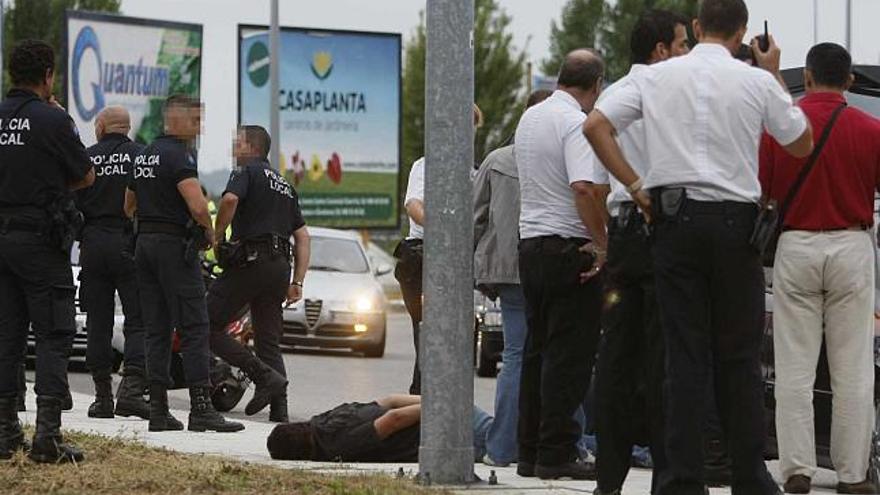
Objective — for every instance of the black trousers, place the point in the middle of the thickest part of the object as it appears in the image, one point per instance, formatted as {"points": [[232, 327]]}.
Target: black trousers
{"points": [[36, 290], [408, 273], [563, 318], [263, 285], [710, 287], [106, 270], [172, 294], [630, 367]]}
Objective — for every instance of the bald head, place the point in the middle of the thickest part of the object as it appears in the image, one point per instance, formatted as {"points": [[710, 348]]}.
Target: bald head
{"points": [[581, 69], [112, 120]]}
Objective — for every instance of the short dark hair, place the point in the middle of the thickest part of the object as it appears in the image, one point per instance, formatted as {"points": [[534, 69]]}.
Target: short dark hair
{"points": [[723, 17], [180, 101], [581, 69], [257, 137], [291, 442], [654, 26], [29, 62], [830, 64], [538, 96]]}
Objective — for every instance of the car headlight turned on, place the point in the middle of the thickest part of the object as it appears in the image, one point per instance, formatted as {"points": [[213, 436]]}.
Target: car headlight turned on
{"points": [[364, 304]]}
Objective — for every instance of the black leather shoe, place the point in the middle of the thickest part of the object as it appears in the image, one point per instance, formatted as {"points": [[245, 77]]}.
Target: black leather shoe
{"points": [[797, 484], [160, 418], [48, 445], [525, 469], [130, 394], [268, 383], [862, 487], [203, 416], [571, 470]]}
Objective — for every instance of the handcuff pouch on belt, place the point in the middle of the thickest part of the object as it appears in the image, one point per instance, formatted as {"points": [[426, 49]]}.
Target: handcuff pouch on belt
{"points": [[668, 202], [65, 222]]}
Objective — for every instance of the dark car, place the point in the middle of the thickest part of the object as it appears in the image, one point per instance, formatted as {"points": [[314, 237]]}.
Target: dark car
{"points": [[488, 335], [865, 94]]}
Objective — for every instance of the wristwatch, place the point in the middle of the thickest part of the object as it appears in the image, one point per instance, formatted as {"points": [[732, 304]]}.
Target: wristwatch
{"points": [[298, 284]]}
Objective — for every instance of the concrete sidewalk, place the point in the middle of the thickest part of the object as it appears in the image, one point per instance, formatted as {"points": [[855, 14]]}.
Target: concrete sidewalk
{"points": [[250, 446]]}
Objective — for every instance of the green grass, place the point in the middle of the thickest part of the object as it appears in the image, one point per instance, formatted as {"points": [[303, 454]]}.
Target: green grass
{"points": [[117, 466], [355, 183], [352, 182]]}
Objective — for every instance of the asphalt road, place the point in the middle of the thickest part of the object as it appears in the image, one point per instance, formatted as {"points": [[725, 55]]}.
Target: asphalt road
{"points": [[321, 380]]}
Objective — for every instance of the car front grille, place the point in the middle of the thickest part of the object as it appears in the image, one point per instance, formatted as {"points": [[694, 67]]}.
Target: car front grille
{"points": [[313, 311]]}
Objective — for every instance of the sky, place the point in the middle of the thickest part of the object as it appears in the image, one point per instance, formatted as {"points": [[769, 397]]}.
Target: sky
{"points": [[791, 21]]}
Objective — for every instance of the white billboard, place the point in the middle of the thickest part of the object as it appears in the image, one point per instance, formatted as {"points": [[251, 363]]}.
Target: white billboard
{"points": [[136, 63]]}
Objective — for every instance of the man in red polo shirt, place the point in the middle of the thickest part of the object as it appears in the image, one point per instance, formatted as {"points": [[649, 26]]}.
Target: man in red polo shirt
{"points": [[823, 281]]}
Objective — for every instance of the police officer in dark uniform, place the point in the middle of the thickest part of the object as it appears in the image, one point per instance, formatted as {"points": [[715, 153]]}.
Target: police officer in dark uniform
{"points": [[41, 160], [173, 225], [264, 211], [107, 261]]}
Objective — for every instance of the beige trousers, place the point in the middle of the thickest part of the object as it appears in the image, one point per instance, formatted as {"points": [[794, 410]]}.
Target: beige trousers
{"points": [[824, 280]]}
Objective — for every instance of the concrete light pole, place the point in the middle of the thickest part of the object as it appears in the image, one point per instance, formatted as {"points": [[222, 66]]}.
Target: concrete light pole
{"points": [[275, 87], [2, 46], [446, 455]]}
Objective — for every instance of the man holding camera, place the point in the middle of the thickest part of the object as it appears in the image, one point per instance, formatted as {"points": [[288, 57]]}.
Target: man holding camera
{"points": [[701, 193]]}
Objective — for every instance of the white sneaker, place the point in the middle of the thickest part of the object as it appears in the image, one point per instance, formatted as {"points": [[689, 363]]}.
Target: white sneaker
{"points": [[489, 462]]}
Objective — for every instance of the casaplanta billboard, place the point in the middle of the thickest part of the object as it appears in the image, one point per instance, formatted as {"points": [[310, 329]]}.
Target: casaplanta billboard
{"points": [[136, 63], [339, 101]]}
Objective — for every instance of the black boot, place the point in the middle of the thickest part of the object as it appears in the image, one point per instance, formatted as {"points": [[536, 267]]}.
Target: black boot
{"points": [[203, 417], [160, 418], [103, 405], [48, 445], [269, 384], [278, 409], [130, 394], [11, 436]]}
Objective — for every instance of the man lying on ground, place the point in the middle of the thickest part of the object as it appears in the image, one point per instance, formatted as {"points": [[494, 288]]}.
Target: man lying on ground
{"points": [[386, 430]]}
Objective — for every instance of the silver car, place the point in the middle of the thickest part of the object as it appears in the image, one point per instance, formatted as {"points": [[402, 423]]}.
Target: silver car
{"points": [[343, 303]]}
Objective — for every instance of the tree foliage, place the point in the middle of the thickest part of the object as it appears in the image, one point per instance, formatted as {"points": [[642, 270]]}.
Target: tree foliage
{"points": [[579, 28], [499, 72], [606, 27], [44, 20]]}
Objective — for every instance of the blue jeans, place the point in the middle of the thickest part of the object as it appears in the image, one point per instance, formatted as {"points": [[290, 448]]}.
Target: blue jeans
{"points": [[482, 426], [502, 441]]}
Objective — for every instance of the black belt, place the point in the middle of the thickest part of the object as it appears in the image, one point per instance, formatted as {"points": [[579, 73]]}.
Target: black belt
{"points": [[553, 242], [13, 225], [719, 207], [109, 222], [162, 228]]}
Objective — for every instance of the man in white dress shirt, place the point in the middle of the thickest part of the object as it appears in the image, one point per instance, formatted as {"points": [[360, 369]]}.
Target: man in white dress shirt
{"points": [[704, 114], [631, 353], [562, 240]]}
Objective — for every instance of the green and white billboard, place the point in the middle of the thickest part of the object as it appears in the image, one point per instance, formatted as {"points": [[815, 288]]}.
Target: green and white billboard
{"points": [[136, 63], [340, 119]]}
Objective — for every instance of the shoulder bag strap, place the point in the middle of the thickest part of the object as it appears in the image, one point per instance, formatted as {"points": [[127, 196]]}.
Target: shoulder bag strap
{"points": [[808, 166]]}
